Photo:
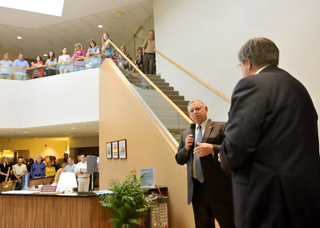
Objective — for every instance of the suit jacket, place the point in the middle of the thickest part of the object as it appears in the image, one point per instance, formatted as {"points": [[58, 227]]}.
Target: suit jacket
{"points": [[217, 183], [271, 146]]}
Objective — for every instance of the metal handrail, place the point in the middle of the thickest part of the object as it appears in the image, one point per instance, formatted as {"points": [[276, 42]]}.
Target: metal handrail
{"points": [[154, 86], [194, 77]]}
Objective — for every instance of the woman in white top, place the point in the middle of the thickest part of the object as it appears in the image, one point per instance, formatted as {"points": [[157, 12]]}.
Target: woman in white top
{"points": [[64, 67]]}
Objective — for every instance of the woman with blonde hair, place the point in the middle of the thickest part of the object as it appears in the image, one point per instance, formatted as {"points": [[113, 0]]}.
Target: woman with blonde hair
{"points": [[78, 55], [106, 46], [4, 169]]}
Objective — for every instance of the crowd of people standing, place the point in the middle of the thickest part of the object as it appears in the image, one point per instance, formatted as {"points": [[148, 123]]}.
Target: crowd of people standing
{"points": [[145, 59], [46, 167]]}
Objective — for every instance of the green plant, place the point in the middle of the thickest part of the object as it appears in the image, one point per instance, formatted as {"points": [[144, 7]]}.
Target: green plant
{"points": [[127, 202]]}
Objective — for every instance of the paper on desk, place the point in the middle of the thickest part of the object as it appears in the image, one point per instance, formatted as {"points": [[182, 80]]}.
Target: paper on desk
{"points": [[101, 192], [20, 192]]}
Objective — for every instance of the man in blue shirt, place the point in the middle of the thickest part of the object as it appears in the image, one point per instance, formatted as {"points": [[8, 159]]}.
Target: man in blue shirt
{"points": [[38, 169], [22, 64]]}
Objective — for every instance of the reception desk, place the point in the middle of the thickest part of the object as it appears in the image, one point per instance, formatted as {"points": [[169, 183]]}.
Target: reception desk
{"points": [[53, 211]]}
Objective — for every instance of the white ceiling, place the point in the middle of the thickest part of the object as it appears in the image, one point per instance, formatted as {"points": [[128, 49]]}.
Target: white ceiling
{"points": [[41, 33], [65, 130]]}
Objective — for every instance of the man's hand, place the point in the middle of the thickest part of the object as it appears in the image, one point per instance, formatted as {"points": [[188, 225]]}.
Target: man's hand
{"points": [[219, 159], [203, 149], [189, 142]]}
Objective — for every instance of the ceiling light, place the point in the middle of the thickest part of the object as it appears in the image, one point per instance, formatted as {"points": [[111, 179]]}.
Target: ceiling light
{"points": [[19, 37], [72, 128], [25, 132], [100, 26], [45, 55]]}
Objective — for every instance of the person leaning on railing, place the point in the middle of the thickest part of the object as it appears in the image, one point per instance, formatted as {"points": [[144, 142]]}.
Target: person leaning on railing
{"points": [[122, 61], [77, 55], [20, 74], [139, 59], [4, 72], [64, 67], [38, 72], [51, 69], [106, 47], [94, 49], [149, 57]]}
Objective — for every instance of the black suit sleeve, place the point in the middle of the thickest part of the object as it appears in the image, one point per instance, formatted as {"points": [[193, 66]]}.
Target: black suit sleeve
{"points": [[182, 155], [243, 131], [217, 147]]}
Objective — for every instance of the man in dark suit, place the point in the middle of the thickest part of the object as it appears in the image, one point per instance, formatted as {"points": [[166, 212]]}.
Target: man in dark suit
{"points": [[271, 144], [209, 188]]}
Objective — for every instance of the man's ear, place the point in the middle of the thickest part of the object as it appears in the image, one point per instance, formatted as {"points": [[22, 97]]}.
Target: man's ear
{"points": [[248, 64]]}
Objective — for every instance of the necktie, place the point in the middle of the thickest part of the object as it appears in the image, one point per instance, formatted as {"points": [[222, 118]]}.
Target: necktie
{"points": [[199, 173]]}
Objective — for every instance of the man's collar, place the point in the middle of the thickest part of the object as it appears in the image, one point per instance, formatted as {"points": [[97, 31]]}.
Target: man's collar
{"points": [[203, 124], [261, 69]]}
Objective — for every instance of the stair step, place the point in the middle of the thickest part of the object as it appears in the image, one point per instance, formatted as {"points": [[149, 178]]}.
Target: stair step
{"points": [[176, 97], [162, 84], [166, 88], [170, 92]]}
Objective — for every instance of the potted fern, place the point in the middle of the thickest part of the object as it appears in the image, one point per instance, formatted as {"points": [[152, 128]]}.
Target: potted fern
{"points": [[127, 203]]}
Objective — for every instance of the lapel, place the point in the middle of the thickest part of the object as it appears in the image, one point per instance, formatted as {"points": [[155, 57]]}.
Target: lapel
{"points": [[208, 130]]}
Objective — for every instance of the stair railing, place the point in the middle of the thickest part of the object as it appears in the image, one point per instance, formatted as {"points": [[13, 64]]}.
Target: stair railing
{"points": [[194, 77], [153, 85]]}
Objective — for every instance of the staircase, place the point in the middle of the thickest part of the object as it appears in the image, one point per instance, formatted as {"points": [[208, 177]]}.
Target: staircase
{"points": [[166, 89]]}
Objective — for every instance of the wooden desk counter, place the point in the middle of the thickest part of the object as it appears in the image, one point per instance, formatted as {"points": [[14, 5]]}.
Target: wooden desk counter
{"points": [[53, 211]]}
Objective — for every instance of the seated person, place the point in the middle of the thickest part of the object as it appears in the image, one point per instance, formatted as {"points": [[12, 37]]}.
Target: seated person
{"points": [[38, 169], [50, 170], [58, 174]]}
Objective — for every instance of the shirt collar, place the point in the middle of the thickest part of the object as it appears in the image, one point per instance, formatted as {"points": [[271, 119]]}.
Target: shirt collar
{"points": [[258, 71], [203, 124]]}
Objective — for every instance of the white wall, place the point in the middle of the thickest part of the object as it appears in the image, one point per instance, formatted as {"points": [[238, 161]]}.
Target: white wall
{"points": [[205, 36], [62, 99]]}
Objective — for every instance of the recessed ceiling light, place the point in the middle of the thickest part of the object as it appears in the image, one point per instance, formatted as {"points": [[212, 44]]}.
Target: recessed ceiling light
{"points": [[45, 54], [25, 132], [100, 26], [19, 37], [72, 128]]}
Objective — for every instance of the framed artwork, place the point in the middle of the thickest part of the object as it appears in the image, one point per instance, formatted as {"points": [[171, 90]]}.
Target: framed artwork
{"points": [[115, 150], [123, 149], [109, 150]]}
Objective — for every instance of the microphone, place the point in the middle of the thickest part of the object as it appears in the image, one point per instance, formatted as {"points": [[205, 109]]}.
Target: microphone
{"points": [[193, 133]]}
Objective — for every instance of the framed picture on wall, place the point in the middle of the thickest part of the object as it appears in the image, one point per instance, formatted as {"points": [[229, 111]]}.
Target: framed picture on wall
{"points": [[115, 150], [123, 149], [109, 150]]}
